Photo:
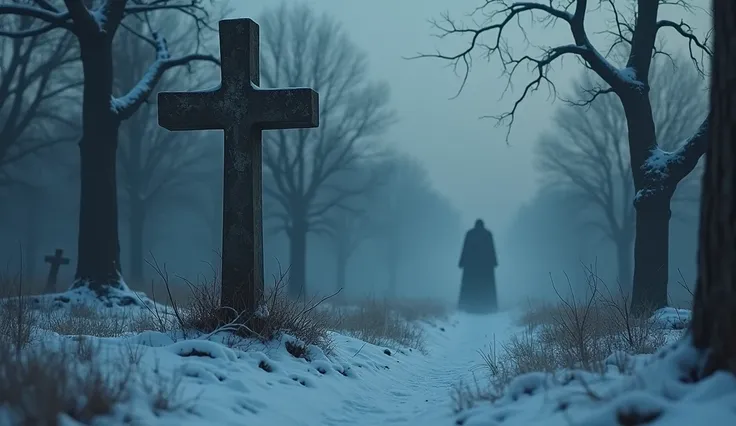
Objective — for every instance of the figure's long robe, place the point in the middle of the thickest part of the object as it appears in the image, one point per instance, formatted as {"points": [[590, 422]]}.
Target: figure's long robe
{"points": [[478, 262]]}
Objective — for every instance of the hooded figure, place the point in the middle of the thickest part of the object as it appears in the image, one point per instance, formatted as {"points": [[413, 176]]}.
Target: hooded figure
{"points": [[478, 262]]}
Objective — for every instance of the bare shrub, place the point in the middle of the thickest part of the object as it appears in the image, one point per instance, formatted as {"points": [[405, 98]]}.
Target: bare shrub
{"points": [[627, 331], [465, 396], [203, 313], [537, 314], [526, 353], [17, 322], [76, 379], [65, 384], [16, 317], [310, 321], [575, 333], [379, 322], [301, 319], [88, 320]]}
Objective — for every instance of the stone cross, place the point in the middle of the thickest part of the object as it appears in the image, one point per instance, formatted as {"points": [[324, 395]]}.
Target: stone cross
{"points": [[243, 111], [55, 261]]}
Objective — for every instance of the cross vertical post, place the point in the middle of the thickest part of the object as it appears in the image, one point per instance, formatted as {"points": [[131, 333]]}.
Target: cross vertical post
{"points": [[55, 262], [242, 111]]}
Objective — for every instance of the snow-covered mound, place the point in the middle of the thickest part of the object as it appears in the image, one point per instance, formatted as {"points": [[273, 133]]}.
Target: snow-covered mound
{"points": [[660, 392], [655, 389], [205, 382], [220, 379], [113, 299], [225, 380], [672, 318]]}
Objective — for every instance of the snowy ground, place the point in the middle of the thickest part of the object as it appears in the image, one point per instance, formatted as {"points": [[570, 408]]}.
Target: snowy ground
{"points": [[659, 393], [361, 384]]}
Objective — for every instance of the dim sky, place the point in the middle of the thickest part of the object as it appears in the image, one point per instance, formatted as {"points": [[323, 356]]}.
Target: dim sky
{"points": [[467, 157]]}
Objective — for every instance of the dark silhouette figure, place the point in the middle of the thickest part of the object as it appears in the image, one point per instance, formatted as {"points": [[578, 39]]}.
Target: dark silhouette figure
{"points": [[478, 262]]}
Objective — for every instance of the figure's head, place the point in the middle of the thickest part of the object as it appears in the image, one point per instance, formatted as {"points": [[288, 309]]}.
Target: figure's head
{"points": [[479, 223]]}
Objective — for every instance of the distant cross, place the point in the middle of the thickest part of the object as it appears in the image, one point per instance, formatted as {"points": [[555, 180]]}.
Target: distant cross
{"points": [[243, 111], [55, 261]]}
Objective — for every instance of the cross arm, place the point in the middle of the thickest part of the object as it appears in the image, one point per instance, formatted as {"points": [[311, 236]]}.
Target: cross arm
{"points": [[296, 108], [191, 110]]}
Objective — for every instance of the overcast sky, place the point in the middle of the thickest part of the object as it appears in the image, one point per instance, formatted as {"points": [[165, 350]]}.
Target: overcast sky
{"points": [[467, 157]]}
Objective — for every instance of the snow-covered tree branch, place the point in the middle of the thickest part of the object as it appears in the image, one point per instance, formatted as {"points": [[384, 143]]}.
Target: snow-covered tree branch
{"points": [[95, 25], [125, 106], [655, 175]]}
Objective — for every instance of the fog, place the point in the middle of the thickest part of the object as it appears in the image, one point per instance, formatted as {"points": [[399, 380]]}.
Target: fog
{"points": [[449, 166]]}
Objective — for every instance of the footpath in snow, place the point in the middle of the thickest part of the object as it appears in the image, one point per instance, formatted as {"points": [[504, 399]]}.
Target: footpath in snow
{"points": [[205, 382], [417, 389], [359, 384], [202, 381]]}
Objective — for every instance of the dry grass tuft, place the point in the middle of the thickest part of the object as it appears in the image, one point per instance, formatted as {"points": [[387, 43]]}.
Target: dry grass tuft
{"points": [[466, 396], [55, 383], [17, 320], [277, 314], [42, 383], [301, 319], [80, 384], [576, 333], [379, 322], [73, 380], [87, 320]]}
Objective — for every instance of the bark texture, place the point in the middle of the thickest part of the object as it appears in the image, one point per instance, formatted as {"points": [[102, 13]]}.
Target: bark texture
{"points": [[714, 312], [98, 263]]}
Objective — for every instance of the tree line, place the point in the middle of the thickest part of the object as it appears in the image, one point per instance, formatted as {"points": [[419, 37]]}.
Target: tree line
{"points": [[621, 69], [590, 160], [86, 73]]}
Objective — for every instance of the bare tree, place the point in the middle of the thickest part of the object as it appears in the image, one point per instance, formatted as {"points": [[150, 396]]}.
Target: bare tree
{"points": [[655, 172], [399, 214], [352, 225], [159, 169], [94, 24], [588, 152], [714, 322], [305, 167], [34, 82], [347, 232]]}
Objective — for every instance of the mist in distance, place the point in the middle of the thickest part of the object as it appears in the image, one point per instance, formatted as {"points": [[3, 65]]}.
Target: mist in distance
{"points": [[385, 189]]}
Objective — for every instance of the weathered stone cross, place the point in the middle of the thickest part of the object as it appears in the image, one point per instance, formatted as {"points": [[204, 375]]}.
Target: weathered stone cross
{"points": [[242, 110], [55, 261]]}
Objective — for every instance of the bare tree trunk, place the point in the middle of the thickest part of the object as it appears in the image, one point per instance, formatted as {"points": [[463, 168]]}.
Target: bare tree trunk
{"points": [[651, 254], [342, 267], [714, 321], [133, 171], [98, 258], [393, 258], [652, 204], [32, 237], [624, 259], [136, 232], [298, 259]]}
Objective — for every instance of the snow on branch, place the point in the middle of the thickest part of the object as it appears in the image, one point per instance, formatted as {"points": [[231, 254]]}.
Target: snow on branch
{"points": [[126, 105], [666, 169], [499, 14]]}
